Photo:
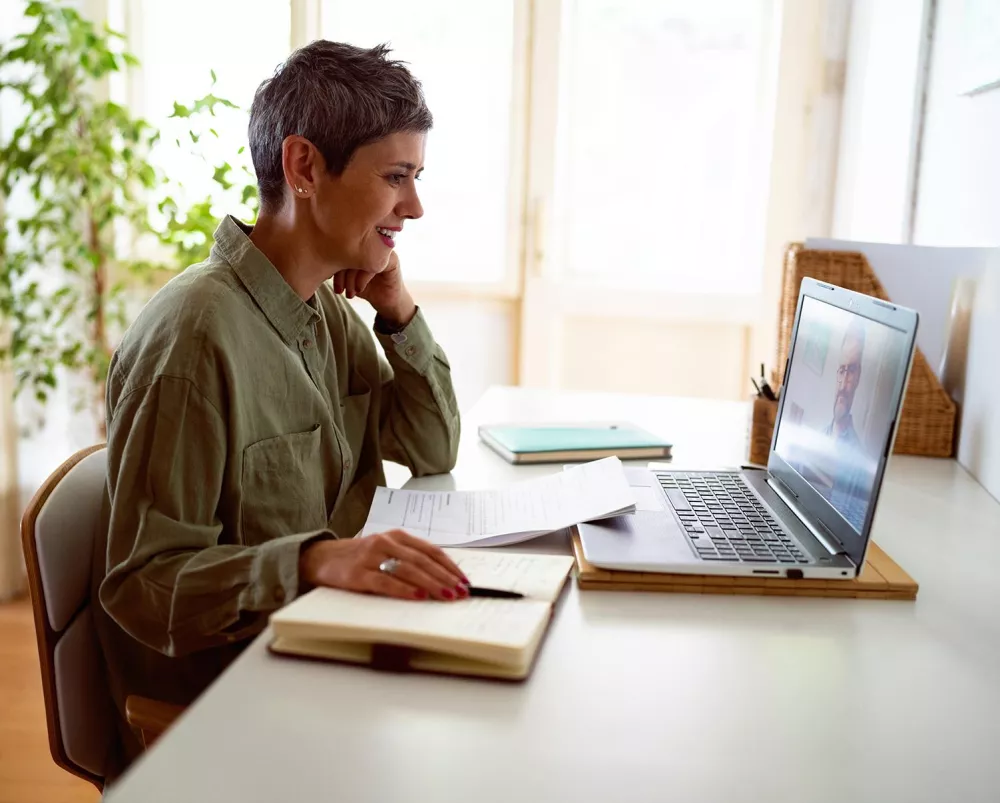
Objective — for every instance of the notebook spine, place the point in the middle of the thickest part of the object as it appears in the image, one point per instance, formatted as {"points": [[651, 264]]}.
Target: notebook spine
{"points": [[391, 658]]}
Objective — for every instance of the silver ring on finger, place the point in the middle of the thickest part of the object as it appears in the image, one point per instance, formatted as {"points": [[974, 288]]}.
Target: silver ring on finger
{"points": [[389, 565]]}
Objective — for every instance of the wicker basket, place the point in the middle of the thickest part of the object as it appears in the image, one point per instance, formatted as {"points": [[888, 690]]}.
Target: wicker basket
{"points": [[762, 417], [927, 424]]}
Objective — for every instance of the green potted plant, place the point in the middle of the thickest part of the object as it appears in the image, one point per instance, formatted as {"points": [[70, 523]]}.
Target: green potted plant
{"points": [[81, 194]]}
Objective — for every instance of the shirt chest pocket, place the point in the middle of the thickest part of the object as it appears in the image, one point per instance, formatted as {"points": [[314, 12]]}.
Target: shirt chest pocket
{"points": [[283, 489]]}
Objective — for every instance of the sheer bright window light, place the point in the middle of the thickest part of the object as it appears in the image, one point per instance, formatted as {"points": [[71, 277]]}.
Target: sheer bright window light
{"points": [[242, 41], [464, 59], [659, 175]]}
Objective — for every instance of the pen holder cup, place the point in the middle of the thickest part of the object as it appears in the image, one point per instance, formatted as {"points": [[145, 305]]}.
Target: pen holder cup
{"points": [[762, 419]]}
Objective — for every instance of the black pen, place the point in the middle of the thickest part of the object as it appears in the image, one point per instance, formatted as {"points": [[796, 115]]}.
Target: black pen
{"points": [[497, 593], [759, 393], [765, 388]]}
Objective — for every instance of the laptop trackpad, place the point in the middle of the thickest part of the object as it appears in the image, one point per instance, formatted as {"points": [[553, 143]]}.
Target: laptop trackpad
{"points": [[644, 537]]}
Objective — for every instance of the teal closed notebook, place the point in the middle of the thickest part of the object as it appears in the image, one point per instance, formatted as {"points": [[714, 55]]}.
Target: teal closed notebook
{"points": [[568, 443]]}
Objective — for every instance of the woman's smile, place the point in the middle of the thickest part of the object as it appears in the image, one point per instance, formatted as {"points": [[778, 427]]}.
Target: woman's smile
{"points": [[388, 235]]}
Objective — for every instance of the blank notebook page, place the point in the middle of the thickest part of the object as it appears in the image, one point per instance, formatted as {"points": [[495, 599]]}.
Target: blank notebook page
{"points": [[537, 576]]}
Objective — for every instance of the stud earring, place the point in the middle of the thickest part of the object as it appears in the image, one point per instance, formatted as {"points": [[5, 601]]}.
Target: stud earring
{"points": [[299, 189]]}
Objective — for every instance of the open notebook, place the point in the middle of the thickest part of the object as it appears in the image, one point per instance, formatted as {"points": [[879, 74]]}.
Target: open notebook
{"points": [[485, 637]]}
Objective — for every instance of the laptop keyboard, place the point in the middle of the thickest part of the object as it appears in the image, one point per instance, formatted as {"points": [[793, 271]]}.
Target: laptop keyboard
{"points": [[725, 521]]}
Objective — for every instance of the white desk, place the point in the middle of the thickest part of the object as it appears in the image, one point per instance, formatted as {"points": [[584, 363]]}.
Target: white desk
{"points": [[649, 697]]}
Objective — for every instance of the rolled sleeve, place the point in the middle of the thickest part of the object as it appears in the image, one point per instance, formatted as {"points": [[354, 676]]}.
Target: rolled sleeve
{"points": [[274, 571], [413, 347], [419, 421]]}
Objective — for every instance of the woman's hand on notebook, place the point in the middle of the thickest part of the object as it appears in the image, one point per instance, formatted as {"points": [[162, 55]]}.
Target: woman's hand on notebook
{"points": [[423, 570]]}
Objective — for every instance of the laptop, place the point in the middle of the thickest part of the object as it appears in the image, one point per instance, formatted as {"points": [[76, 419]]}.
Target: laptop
{"points": [[810, 512]]}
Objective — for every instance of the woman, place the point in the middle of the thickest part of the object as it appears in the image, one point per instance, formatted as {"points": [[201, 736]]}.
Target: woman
{"points": [[249, 408]]}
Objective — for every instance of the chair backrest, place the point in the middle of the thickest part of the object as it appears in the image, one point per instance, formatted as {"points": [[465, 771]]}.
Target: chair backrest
{"points": [[57, 533]]}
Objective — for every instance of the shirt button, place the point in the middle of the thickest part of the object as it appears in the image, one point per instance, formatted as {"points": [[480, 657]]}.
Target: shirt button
{"points": [[279, 594], [306, 343], [410, 351]]}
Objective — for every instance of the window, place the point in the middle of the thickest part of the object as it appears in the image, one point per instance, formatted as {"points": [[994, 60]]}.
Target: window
{"points": [[659, 179], [465, 60], [596, 166], [659, 137], [242, 41]]}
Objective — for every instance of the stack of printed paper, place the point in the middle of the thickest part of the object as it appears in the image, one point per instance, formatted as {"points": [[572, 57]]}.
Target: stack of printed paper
{"points": [[518, 512]]}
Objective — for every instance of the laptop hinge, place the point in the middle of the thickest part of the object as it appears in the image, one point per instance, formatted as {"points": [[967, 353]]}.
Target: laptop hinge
{"points": [[829, 541]]}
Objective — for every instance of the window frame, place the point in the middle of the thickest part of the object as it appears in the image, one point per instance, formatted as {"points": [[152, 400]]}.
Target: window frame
{"points": [[533, 120], [544, 271]]}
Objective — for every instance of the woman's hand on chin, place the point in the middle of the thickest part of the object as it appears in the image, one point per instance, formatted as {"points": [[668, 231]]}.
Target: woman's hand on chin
{"points": [[385, 291]]}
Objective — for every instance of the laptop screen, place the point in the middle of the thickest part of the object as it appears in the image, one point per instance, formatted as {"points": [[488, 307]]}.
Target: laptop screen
{"points": [[840, 404]]}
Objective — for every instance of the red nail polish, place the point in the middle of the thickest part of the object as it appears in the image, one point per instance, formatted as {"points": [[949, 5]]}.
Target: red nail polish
{"points": [[462, 591], [420, 594], [447, 593]]}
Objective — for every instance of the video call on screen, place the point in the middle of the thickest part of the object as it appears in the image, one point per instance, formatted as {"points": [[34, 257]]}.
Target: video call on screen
{"points": [[839, 404]]}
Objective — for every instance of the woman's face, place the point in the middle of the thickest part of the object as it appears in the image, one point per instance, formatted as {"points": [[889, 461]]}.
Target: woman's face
{"points": [[360, 212]]}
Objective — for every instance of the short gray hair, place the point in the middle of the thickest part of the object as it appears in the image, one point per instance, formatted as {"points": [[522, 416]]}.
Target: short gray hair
{"points": [[337, 96]]}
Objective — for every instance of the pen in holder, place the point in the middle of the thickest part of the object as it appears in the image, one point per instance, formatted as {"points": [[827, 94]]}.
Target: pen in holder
{"points": [[764, 412]]}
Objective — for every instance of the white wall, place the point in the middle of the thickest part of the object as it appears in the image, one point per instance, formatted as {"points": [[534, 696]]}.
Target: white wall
{"points": [[950, 196], [957, 177], [958, 201], [879, 117]]}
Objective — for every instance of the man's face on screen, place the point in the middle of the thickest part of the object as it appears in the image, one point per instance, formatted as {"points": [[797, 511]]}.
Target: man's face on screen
{"points": [[848, 376]]}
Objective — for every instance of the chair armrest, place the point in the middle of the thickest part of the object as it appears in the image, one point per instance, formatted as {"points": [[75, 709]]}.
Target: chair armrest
{"points": [[150, 718]]}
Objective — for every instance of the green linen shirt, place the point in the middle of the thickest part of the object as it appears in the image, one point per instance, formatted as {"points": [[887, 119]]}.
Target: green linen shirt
{"points": [[243, 423]]}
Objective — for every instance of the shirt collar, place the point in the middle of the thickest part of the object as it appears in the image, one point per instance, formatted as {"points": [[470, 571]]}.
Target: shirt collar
{"points": [[848, 432], [281, 305]]}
